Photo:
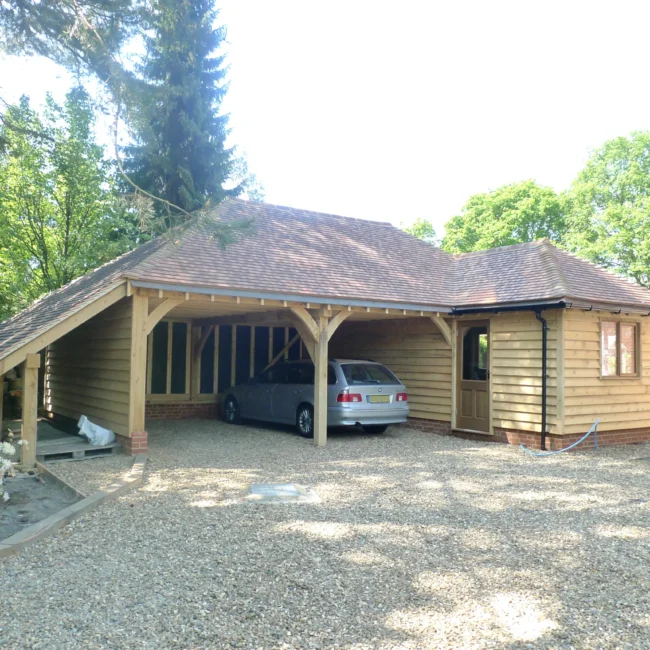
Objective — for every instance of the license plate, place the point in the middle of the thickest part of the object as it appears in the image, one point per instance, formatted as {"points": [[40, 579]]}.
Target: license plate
{"points": [[378, 399]]}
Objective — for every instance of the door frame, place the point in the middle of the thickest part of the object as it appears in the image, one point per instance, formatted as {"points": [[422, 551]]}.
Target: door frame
{"points": [[457, 374]]}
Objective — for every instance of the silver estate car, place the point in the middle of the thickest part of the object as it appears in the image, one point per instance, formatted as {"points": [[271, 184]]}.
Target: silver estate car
{"points": [[358, 393]]}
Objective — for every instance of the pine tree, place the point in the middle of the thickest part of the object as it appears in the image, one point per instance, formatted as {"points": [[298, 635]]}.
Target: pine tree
{"points": [[180, 153]]}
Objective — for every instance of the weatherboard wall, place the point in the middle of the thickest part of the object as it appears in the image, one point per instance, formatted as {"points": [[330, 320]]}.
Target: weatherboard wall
{"points": [[516, 370], [414, 350], [621, 404], [87, 370]]}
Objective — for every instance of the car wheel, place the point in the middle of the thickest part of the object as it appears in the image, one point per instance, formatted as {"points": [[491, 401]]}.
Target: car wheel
{"points": [[376, 428], [231, 411], [305, 420]]}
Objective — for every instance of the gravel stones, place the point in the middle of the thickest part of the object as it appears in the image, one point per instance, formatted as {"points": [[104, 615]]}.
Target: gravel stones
{"points": [[420, 541]]}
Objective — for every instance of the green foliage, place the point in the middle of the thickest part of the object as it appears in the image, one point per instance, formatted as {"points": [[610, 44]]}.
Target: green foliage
{"points": [[82, 35], [512, 214], [180, 153], [422, 229], [59, 213], [609, 207]]}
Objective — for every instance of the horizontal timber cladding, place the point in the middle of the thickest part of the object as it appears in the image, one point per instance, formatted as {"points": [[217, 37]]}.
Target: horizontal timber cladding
{"points": [[621, 404], [87, 370], [414, 349], [516, 370]]}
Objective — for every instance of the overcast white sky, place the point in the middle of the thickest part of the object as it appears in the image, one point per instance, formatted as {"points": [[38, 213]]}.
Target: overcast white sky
{"points": [[395, 111]]}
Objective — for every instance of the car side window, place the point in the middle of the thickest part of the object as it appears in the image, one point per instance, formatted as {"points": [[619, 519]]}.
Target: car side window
{"points": [[273, 375], [294, 374], [331, 376], [304, 373]]}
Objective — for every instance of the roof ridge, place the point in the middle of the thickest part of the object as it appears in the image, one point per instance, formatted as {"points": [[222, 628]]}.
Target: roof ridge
{"points": [[486, 251], [549, 250], [288, 208], [603, 269]]}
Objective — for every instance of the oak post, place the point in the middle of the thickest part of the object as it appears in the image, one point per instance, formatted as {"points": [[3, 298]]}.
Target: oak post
{"points": [[138, 374], [30, 410], [2, 395], [320, 383]]}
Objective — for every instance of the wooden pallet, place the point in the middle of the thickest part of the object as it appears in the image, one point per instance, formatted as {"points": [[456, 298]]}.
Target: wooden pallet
{"points": [[66, 449]]}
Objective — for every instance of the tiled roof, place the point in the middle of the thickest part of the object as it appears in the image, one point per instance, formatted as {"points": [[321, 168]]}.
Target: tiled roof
{"points": [[54, 307], [309, 254], [535, 272], [302, 253]]}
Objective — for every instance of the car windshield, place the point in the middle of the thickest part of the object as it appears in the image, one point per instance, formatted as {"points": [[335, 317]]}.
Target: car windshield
{"points": [[367, 373]]}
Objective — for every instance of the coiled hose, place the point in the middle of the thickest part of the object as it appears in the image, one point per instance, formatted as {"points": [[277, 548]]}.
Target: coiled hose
{"points": [[594, 430]]}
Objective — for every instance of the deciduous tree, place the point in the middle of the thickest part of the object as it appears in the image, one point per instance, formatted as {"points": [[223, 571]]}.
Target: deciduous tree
{"points": [[59, 213], [609, 207], [512, 214]]}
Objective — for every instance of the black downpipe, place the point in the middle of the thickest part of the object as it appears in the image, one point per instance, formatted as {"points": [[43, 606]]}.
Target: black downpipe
{"points": [[544, 349]]}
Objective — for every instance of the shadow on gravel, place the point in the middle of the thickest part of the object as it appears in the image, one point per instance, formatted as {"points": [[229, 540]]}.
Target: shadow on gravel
{"points": [[419, 542]]}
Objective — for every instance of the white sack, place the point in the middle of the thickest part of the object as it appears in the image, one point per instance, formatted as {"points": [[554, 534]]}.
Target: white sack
{"points": [[96, 435]]}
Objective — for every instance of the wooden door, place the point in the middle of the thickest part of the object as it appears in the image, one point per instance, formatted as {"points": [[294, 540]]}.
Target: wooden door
{"points": [[473, 376]]}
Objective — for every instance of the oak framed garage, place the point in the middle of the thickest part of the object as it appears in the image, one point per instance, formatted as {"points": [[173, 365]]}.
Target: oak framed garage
{"points": [[521, 344]]}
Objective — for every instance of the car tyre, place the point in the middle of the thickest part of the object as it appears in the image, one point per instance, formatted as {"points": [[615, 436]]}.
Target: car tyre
{"points": [[305, 420], [231, 413], [375, 428]]}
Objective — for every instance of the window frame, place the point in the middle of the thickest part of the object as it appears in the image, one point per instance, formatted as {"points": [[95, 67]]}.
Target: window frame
{"points": [[637, 351], [168, 396]]}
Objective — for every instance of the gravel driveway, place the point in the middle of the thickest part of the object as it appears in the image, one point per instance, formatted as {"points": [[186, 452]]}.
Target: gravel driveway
{"points": [[420, 542]]}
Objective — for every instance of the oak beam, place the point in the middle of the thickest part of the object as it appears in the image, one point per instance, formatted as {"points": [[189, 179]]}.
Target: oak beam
{"points": [[138, 374], [308, 321], [29, 433], [233, 355], [160, 311], [307, 339], [254, 318], [321, 362], [334, 323], [2, 386], [282, 352], [251, 367], [200, 344], [443, 327], [454, 372]]}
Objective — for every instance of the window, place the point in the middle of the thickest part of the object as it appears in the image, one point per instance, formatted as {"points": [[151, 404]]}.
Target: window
{"points": [[367, 373], [475, 354], [619, 349], [169, 358]]}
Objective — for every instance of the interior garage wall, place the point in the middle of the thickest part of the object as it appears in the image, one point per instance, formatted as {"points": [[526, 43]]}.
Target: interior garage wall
{"points": [[621, 404], [412, 348], [516, 370], [87, 370]]}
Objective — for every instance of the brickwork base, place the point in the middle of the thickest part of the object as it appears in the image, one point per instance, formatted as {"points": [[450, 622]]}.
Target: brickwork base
{"points": [[136, 444], [533, 440], [181, 411]]}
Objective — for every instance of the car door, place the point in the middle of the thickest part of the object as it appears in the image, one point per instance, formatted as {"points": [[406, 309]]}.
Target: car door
{"points": [[287, 395], [258, 404]]}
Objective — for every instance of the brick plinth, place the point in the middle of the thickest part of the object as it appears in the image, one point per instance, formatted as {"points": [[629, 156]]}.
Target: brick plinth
{"points": [[430, 426], [136, 444], [533, 440], [181, 411]]}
